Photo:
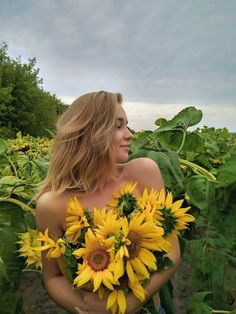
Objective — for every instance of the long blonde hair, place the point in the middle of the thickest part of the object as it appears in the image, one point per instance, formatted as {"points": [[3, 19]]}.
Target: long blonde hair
{"points": [[82, 150]]}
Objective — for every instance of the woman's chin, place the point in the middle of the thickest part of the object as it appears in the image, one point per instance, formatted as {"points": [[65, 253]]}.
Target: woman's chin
{"points": [[122, 159]]}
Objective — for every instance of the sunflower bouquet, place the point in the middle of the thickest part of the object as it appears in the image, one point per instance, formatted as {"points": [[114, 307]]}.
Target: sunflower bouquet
{"points": [[114, 251]]}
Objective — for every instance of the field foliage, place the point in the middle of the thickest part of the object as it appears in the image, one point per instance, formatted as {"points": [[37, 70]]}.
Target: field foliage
{"points": [[197, 165]]}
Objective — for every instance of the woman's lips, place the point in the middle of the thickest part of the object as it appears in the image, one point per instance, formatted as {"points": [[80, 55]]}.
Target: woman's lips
{"points": [[125, 146]]}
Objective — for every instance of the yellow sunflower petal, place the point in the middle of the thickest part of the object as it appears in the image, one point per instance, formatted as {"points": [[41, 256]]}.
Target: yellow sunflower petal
{"points": [[139, 267], [130, 272], [119, 269], [121, 300], [111, 299], [169, 200], [84, 277], [138, 290], [148, 258], [97, 280], [176, 205]]}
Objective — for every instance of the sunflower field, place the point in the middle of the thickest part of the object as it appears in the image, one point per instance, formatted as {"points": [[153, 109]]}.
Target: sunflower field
{"points": [[198, 165]]}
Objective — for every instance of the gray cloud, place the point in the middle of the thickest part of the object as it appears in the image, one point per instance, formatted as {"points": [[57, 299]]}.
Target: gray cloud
{"points": [[160, 51]]}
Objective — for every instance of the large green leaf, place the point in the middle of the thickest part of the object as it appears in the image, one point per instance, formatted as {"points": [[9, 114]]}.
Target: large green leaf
{"points": [[193, 144], [195, 304], [14, 214], [227, 173], [140, 140], [201, 192], [169, 166], [187, 117], [170, 169], [9, 255]]}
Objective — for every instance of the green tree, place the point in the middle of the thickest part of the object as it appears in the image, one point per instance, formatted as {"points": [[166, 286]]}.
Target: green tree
{"points": [[24, 105]]}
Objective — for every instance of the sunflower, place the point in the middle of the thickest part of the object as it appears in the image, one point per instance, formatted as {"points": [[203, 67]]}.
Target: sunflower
{"points": [[76, 220], [103, 216], [141, 237], [125, 201], [28, 241], [175, 217], [98, 262], [56, 248], [151, 203], [110, 230]]}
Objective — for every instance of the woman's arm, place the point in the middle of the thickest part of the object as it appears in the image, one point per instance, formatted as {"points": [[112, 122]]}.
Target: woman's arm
{"points": [[58, 287], [158, 280], [146, 172]]}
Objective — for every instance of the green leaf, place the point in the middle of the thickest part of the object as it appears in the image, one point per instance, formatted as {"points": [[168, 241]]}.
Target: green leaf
{"points": [[30, 220], [11, 180], [187, 117], [227, 173], [195, 304], [3, 146], [166, 296], [169, 165], [9, 255], [201, 192], [7, 171], [193, 143], [160, 121]]}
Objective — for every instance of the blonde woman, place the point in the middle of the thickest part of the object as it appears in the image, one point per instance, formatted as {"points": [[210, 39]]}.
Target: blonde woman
{"points": [[90, 161]]}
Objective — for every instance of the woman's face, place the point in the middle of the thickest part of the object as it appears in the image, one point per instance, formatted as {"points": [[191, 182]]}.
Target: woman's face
{"points": [[122, 136]]}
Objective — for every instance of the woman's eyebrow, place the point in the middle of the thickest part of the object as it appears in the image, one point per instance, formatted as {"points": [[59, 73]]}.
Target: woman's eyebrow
{"points": [[122, 120]]}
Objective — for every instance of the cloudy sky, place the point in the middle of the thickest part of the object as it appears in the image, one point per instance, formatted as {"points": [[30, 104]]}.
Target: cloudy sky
{"points": [[162, 55]]}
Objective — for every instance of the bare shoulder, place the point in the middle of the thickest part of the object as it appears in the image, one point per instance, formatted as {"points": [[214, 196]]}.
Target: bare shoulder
{"points": [[146, 172], [50, 210]]}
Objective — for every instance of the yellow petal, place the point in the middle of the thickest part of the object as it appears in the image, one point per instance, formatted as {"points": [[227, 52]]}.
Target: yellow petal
{"points": [[138, 291], [139, 267], [130, 272], [84, 277], [148, 258], [111, 299], [169, 200], [121, 301], [97, 280], [119, 269], [176, 205]]}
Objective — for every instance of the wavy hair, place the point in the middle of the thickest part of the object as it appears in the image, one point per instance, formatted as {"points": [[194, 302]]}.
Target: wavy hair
{"points": [[81, 150]]}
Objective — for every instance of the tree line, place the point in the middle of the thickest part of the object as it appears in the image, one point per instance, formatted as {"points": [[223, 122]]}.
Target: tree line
{"points": [[24, 105]]}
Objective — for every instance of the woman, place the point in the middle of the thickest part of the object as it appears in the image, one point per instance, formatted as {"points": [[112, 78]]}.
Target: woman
{"points": [[89, 161]]}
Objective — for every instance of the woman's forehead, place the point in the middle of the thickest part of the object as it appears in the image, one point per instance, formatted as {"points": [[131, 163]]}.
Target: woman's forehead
{"points": [[120, 113]]}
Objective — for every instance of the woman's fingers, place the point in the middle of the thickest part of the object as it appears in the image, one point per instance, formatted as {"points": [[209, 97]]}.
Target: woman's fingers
{"points": [[80, 311]]}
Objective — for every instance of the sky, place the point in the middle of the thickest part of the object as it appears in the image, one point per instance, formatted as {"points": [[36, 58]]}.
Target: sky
{"points": [[162, 55]]}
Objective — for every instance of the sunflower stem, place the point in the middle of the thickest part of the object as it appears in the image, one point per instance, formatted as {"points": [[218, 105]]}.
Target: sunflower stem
{"points": [[202, 171], [220, 311], [19, 203], [31, 270], [183, 140]]}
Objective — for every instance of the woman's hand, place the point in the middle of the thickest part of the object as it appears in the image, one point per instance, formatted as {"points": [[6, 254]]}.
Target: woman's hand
{"points": [[133, 304], [92, 304]]}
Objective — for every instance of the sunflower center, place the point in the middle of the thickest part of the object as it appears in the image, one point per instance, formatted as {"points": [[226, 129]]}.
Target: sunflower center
{"points": [[98, 259], [135, 246]]}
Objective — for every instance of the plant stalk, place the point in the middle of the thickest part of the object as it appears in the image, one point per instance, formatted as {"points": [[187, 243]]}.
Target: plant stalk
{"points": [[19, 203], [202, 171]]}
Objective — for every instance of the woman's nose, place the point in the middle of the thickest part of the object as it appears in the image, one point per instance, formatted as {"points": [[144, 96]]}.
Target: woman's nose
{"points": [[128, 134]]}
